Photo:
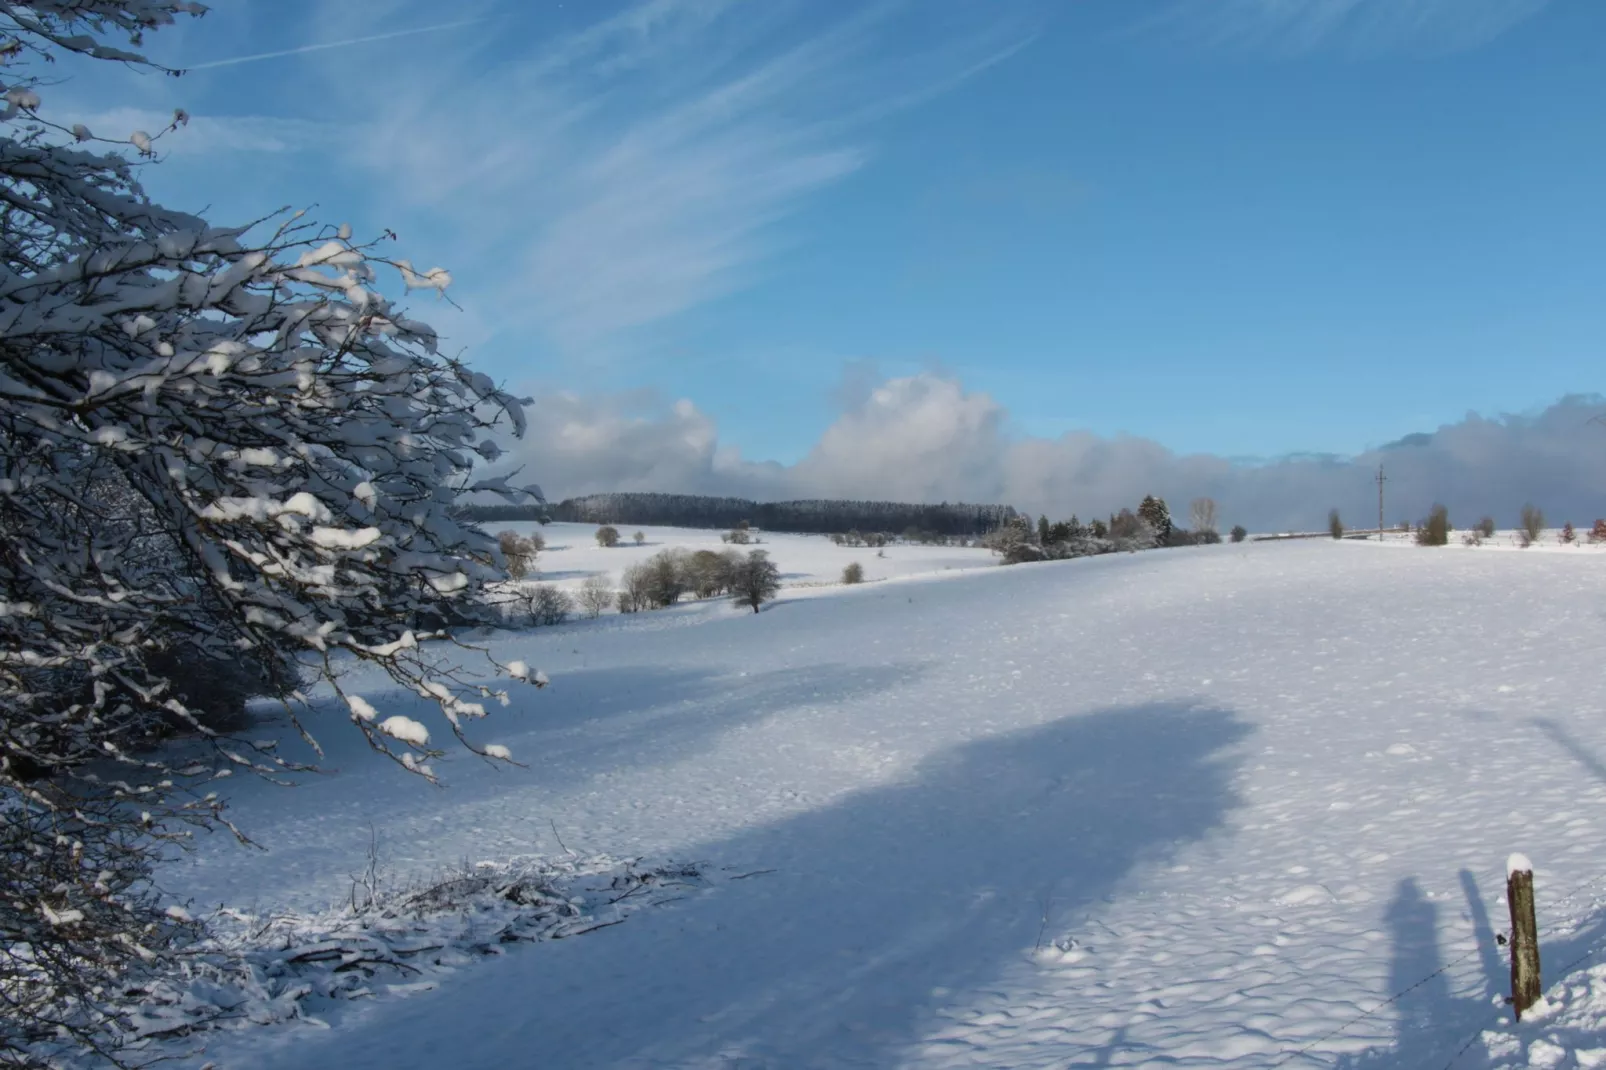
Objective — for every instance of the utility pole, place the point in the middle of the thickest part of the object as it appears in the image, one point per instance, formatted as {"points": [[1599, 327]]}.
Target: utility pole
{"points": [[1381, 479]]}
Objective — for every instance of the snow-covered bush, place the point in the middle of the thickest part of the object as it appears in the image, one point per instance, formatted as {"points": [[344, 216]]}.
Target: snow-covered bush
{"points": [[607, 535], [1130, 531], [1239, 533], [853, 573], [217, 444]]}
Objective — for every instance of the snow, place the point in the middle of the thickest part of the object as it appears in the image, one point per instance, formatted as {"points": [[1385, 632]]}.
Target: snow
{"points": [[572, 554], [405, 729], [1199, 807], [1518, 863], [1549, 541]]}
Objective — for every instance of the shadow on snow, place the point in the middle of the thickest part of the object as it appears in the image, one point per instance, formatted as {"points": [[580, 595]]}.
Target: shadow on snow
{"points": [[883, 908]]}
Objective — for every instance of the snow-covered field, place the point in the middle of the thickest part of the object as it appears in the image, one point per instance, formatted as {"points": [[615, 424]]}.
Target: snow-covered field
{"points": [[1549, 541], [1204, 807], [572, 554]]}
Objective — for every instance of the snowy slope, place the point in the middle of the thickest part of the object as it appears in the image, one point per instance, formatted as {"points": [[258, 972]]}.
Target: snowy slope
{"points": [[1202, 807]]}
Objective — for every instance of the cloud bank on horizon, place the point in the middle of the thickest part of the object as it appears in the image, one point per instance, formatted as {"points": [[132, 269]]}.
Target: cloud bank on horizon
{"points": [[926, 438]]}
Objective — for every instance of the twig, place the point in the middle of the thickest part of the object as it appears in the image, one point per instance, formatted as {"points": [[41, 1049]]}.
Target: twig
{"points": [[555, 836], [592, 929]]}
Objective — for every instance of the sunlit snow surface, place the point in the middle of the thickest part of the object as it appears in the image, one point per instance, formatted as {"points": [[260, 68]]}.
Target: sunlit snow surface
{"points": [[1198, 807]]}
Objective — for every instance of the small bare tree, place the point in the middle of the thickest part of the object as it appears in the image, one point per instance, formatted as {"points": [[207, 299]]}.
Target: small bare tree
{"points": [[1202, 514], [635, 588], [596, 595], [853, 573], [518, 552], [549, 605], [708, 573], [1532, 525], [668, 574], [755, 581], [607, 535]]}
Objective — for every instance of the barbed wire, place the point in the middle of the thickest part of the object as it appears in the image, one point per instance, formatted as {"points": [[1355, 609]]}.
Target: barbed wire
{"points": [[1477, 948]]}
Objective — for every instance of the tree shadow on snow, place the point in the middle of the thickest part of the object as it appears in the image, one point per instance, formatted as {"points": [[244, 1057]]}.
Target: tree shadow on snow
{"points": [[870, 917], [590, 723], [636, 717], [1569, 743]]}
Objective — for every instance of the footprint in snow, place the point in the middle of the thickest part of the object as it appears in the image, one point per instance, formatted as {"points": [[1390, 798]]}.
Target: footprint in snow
{"points": [[1306, 895]]}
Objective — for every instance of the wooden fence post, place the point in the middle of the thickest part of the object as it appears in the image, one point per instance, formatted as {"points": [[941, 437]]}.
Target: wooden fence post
{"points": [[1525, 986]]}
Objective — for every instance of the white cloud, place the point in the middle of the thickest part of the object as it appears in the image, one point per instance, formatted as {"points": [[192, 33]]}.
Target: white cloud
{"points": [[1365, 27], [926, 438]]}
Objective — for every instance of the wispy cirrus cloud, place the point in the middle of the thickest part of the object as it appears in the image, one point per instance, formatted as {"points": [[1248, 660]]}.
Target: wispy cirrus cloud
{"points": [[1361, 27], [636, 167], [325, 46]]}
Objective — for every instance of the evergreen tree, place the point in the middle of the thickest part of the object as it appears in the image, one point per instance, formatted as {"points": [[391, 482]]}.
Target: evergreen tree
{"points": [[1154, 512]]}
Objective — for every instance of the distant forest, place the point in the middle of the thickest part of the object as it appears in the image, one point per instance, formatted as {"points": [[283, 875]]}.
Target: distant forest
{"points": [[822, 516]]}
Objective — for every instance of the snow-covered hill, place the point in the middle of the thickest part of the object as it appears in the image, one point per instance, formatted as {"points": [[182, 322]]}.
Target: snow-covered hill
{"points": [[1202, 807]]}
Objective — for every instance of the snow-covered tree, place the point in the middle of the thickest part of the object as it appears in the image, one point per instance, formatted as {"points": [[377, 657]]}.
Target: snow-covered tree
{"points": [[1153, 511], [216, 444]]}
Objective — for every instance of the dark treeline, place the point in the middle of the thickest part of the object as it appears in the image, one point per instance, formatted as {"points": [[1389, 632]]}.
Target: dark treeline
{"points": [[812, 516]]}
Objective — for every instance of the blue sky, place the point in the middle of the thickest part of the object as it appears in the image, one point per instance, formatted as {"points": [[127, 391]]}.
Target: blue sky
{"points": [[1243, 228]]}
